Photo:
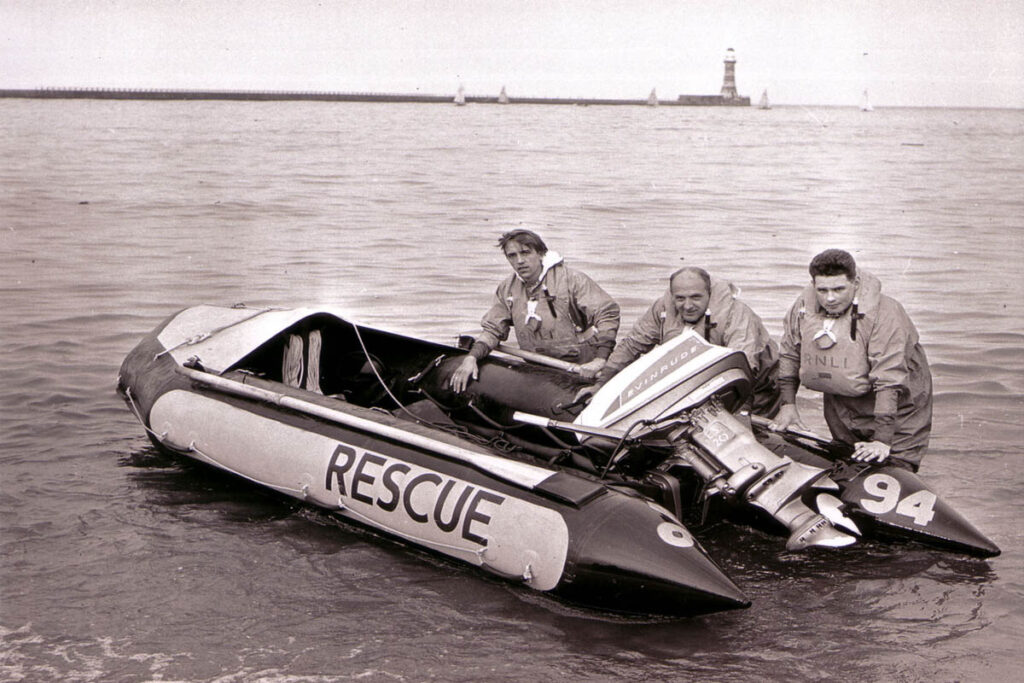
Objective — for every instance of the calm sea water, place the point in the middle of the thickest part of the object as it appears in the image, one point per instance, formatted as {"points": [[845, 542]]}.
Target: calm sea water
{"points": [[120, 564]]}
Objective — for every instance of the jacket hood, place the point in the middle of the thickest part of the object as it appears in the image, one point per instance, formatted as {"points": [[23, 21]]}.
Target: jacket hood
{"points": [[723, 294], [869, 292], [548, 261]]}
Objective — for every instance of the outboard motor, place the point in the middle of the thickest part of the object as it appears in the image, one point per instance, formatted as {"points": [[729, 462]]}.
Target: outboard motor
{"points": [[685, 392]]}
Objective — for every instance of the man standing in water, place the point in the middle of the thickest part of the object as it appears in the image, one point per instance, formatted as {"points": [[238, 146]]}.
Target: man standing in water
{"points": [[845, 338], [555, 310], [710, 308]]}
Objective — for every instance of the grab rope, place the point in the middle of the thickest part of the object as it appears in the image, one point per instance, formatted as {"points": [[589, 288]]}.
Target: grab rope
{"points": [[341, 506], [409, 537], [138, 414], [304, 491], [162, 437]]}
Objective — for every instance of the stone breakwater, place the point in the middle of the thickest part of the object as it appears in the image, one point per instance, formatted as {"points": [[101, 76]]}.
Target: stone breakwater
{"points": [[265, 96]]}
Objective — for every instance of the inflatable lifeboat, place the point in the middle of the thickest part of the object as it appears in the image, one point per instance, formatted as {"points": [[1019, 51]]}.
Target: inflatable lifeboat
{"points": [[593, 503]]}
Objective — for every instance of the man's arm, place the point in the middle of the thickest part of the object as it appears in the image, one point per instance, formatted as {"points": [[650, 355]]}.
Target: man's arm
{"points": [[744, 331], [645, 335], [597, 309], [789, 371], [496, 323], [892, 337]]}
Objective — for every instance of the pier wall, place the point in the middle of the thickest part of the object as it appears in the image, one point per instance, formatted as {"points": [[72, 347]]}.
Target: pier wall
{"points": [[271, 96]]}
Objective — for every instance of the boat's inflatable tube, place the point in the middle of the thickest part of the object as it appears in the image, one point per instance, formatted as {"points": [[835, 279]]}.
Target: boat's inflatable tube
{"points": [[893, 502]]}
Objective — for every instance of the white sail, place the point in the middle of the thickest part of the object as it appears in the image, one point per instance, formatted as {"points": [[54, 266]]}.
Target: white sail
{"points": [[763, 104], [502, 96], [652, 99], [460, 96], [865, 104]]}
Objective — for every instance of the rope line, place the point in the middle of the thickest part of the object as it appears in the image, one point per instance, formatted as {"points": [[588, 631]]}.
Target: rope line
{"points": [[162, 438]]}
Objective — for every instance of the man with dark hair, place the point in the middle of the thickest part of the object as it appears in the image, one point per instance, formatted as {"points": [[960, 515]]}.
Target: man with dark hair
{"points": [[857, 346], [555, 310], [711, 309]]}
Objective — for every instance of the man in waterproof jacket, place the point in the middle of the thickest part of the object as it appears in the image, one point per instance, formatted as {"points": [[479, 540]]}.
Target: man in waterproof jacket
{"points": [[710, 308], [844, 338], [555, 310]]}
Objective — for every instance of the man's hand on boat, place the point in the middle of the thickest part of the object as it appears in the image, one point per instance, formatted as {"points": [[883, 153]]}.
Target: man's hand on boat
{"points": [[787, 417], [866, 451], [584, 395], [467, 370], [589, 370], [863, 451]]}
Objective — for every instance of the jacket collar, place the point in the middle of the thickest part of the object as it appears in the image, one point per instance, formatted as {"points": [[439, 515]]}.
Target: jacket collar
{"points": [[869, 292], [549, 261], [723, 294]]}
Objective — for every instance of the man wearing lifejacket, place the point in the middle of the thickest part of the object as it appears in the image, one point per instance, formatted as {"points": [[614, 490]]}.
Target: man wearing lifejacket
{"points": [[857, 346], [710, 308], [555, 310]]}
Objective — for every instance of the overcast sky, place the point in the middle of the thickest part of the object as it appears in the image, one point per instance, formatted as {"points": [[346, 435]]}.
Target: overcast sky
{"points": [[905, 52]]}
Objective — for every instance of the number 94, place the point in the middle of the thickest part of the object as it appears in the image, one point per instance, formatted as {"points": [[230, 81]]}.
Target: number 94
{"points": [[885, 492]]}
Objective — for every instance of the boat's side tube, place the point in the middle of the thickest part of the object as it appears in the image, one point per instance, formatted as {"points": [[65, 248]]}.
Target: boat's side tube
{"points": [[430, 501], [611, 549], [552, 530], [521, 474], [890, 501]]}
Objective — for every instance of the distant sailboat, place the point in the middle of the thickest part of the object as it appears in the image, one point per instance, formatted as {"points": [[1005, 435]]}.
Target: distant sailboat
{"points": [[763, 104], [502, 96], [460, 97], [865, 105], [652, 99]]}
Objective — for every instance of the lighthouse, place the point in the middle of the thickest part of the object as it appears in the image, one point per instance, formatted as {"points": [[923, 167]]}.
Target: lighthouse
{"points": [[729, 81]]}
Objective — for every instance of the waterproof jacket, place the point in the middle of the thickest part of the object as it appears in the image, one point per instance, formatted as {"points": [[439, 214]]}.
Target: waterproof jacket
{"points": [[565, 315], [733, 324], [874, 374]]}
